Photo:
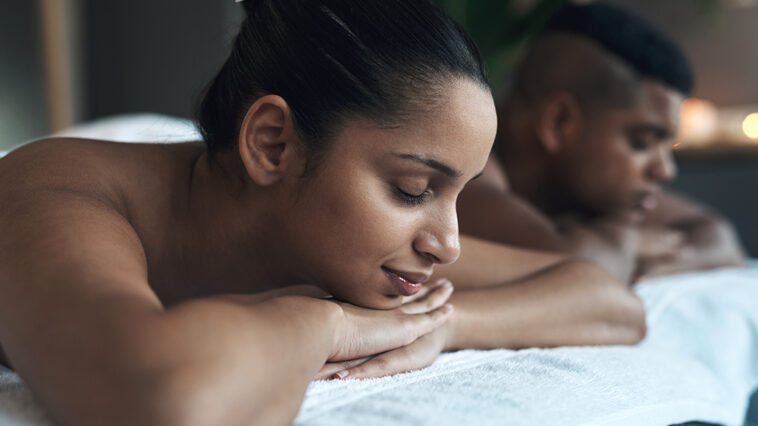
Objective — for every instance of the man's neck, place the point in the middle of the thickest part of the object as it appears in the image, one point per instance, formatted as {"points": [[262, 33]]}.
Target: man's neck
{"points": [[517, 151]]}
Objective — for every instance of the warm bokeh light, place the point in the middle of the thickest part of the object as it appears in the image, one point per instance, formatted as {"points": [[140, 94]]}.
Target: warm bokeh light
{"points": [[699, 121], [750, 126]]}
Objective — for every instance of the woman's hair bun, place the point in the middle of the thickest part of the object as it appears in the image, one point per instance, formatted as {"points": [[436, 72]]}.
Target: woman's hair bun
{"points": [[335, 60], [249, 5]]}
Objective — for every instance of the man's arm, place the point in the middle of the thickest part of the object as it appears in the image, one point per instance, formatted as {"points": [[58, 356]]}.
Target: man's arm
{"points": [[706, 240]]}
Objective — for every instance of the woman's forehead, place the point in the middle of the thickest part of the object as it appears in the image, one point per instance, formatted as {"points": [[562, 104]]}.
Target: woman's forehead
{"points": [[464, 119]]}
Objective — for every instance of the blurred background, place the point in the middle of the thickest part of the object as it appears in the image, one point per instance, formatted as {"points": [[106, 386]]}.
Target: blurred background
{"points": [[68, 61]]}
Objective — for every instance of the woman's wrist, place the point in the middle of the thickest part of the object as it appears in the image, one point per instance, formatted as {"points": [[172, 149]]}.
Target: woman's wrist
{"points": [[450, 331], [324, 318]]}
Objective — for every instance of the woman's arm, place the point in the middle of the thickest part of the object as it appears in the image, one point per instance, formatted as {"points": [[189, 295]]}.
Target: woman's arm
{"points": [[82, 327], [515, 298], [571, 304], [520, 298]]}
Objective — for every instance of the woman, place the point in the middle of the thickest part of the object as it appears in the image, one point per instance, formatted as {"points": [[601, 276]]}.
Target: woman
{"points": [[153, 284], [337, 137]]}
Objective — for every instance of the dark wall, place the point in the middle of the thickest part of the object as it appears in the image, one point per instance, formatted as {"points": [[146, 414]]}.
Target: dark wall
{"points": [[727, 181], [720, 41], [146, 55], [22, 107]]}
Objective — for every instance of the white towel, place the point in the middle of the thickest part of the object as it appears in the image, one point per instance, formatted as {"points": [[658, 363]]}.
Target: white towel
{"points": [[17, 404], [698, 362], [140, 127]]}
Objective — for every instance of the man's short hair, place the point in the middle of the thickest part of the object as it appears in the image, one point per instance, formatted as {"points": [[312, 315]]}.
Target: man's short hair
{"points": [[648, 51]]}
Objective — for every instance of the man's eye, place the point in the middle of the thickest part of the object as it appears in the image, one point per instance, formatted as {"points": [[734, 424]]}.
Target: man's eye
{"points": [[411, 199], [639, 144]]}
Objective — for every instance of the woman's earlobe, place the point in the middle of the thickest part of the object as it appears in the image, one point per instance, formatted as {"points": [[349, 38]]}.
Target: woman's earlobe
{"points": [[267, 140]]}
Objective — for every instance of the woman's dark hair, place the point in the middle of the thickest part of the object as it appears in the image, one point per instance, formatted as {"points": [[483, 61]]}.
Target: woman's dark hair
{"points": [[337, 59]]}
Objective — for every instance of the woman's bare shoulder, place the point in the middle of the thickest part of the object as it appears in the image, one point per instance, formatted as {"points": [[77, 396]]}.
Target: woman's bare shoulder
{"points": [[99, 168]]}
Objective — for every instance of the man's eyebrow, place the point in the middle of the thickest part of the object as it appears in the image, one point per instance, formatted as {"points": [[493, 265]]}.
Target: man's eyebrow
{"points": [[436, 165]]}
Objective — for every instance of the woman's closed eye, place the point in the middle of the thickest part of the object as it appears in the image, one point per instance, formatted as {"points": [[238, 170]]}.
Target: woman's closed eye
{"points": [[412, 197]]}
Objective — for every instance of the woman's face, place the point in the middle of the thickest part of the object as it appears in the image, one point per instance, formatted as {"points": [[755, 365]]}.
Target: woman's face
{"points": [[378, 212]]}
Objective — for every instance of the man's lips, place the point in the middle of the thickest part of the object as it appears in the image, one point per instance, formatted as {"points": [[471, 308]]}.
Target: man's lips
{"points": [[406, 283], [647, 200]]}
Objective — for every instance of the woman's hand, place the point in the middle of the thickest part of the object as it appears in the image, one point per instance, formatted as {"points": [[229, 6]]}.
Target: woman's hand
{"points": [[415, 356], [367, 332]]}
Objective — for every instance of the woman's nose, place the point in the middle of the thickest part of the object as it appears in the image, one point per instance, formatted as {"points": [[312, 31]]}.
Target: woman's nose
{"points": [[439, 241]]}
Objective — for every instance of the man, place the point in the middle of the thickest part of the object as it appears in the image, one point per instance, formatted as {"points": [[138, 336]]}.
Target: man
{"points": [[584, 143]]}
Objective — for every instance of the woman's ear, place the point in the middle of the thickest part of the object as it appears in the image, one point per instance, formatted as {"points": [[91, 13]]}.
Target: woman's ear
{"points": [[559, 121], [268, 143]]}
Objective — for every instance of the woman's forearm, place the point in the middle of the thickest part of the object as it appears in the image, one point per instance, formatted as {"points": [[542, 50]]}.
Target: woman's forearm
{"points": [[251, 366], [573, 303], [204, 362]]}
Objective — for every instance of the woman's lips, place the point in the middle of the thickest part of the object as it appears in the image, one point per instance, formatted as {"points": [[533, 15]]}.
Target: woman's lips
{"points": [[406, 283]]}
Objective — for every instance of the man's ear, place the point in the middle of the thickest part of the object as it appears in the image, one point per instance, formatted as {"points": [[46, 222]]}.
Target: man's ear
{"points": [[268, 143], [559, 121]]}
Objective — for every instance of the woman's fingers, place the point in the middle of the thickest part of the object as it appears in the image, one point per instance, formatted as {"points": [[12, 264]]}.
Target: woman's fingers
{"points": [[418, 325], [330, 368], [435, 298], [418, 354], [365, 332]]}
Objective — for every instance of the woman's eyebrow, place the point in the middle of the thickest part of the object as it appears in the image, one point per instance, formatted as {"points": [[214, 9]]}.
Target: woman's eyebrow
{"points": [[434, 164]]}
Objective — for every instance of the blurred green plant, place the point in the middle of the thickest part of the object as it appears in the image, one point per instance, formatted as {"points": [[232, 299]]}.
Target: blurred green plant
{"points": [[500, 27]]}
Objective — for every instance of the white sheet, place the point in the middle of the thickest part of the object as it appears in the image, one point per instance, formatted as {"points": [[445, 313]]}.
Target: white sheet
{"points": [[698, 362]]}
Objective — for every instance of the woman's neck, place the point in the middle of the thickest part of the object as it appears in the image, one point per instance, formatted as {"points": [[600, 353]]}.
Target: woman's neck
{"points": [[225, 237]]}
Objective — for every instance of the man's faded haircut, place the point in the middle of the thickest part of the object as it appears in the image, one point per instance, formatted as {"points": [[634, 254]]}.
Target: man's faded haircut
{"points": [[599, 52], [650, 52]]}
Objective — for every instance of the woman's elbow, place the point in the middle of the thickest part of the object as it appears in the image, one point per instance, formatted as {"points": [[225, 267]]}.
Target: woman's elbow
{"points": [[619, 313], [630, 324]]}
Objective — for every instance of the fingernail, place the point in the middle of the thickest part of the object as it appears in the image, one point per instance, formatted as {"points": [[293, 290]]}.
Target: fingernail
{"points": [[342, 374], [447, 308]]}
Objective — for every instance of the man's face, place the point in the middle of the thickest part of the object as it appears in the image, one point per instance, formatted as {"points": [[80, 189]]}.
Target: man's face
{"points": [[623, 154]]}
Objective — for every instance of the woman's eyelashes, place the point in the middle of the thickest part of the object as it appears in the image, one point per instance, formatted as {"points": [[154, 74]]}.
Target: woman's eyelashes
{"points": [[411, 198]]}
